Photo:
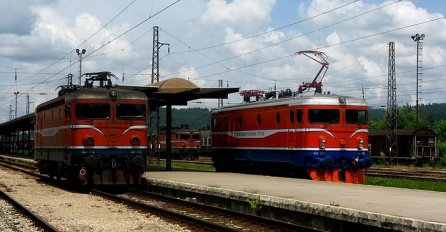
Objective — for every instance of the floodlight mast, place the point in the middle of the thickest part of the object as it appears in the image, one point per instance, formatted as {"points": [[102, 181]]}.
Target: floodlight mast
{"points": [[321, 58]]}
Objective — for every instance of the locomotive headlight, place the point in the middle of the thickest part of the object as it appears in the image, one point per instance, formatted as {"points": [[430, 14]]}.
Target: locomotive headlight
{"points": [[322, 144], [113, 94], [135, 140], [361, 143], [89, 140]]}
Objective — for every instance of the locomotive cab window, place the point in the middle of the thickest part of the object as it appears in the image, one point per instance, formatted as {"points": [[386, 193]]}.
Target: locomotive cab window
{"points": [[323, 116], [356, 116], [214, 122], [92, 111], [259, 119], [278, 118], [184, 136], [131, 111], [299, 115]]}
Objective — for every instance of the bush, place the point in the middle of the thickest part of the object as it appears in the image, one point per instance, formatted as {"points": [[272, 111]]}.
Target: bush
{"points": [[442, 154]]}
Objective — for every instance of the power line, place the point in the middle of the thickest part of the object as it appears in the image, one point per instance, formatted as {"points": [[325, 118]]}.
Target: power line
{"points": [[291, 38], [117, 37], [132, 28], [327, 46], [57, 61], [269, 31]]}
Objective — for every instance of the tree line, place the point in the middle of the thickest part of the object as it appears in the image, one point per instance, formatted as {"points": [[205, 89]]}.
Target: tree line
{"points": [[431, 116]]}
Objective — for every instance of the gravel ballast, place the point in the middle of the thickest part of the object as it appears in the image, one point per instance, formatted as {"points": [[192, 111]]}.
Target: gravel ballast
{"points": [[71, 211]]}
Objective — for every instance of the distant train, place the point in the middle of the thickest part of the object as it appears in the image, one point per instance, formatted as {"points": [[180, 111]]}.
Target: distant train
{"points": [[320, 137], [187, 144], [93, 134]]}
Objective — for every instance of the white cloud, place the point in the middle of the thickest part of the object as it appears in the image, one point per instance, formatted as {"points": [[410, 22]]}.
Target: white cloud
{"points": [[16, 16], [242, 12], [43, 31]]}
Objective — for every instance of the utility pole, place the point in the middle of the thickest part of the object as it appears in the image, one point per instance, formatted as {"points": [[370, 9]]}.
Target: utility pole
{"points": [[220, 100], [28, 103], [156, 78], [70, 79], [419, 39], [15, 113], [80, 53], [155, 54], [391, 113]]}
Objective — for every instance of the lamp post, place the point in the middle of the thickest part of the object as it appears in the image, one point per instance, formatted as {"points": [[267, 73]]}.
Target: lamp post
{"points": [[418, 38], [80, 53]]}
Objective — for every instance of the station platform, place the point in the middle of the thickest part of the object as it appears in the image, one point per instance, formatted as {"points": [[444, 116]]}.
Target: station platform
{"points": [[381, 207]]}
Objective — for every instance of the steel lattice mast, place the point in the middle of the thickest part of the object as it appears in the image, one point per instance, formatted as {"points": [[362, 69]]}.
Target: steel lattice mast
{"points": [[419, 39], [391, 114]]}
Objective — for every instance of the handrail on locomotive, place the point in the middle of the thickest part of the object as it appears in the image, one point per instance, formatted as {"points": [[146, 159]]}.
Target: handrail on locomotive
{"points": [[102, 78]]}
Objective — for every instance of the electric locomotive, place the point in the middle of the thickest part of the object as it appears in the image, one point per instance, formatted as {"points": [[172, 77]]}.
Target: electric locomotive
{"points": [[319, 137], [94, 134], [186, 143]]}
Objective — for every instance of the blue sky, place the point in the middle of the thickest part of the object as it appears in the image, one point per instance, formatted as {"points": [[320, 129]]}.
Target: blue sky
{"points": [[246, 43]]}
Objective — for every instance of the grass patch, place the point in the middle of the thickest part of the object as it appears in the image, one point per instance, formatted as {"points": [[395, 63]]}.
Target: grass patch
{"points": [[185, 165], [406, 183], [332, 203]]}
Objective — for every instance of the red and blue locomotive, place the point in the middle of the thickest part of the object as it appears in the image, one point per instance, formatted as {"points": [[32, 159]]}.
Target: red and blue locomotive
{"points": [[93, 134], [320, 137]]}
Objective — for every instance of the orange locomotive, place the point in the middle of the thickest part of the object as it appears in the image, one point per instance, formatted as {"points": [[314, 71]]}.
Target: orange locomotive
{"points": [[320, 136], [186, 144], [93, 134]]}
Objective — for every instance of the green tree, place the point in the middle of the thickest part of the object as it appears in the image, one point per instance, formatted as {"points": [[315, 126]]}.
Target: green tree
{"points": [[378, 124], [440, 129], [406, 119]]}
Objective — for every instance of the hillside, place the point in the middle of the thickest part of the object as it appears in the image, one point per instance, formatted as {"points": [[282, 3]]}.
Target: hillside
{"points": [[435, 111], [200, 118], [195, 118]]}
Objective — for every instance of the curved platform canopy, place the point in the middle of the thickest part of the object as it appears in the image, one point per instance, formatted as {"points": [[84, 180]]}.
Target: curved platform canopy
{"points": [[178, 91]]}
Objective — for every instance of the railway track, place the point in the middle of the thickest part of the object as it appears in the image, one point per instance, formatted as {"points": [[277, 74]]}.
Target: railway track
{"points": [[400, 172], [408, 173], [199, 216], [38, 221]]}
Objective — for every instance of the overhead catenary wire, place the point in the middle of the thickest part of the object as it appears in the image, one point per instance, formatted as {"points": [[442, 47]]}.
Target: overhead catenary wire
{"points": [[326, 46], [222, 64], [272, 30], [292, 38], [69, 53], [117, 37]]}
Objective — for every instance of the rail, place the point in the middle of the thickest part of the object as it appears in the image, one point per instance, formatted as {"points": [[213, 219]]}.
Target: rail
{"points": [[39, 222], [201, 215]]}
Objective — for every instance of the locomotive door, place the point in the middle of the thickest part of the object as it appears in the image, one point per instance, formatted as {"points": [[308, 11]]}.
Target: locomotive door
{"points": [[68, 131], [299, 130], [292, 133], [113, 125]]}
